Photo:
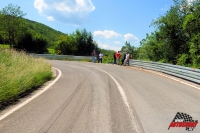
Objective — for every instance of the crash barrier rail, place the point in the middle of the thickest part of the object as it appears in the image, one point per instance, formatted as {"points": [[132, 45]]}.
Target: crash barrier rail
{"points": [[62, 57], [191, 74]]}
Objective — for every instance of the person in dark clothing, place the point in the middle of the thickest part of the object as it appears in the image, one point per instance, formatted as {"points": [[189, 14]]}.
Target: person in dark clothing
{"points": [[114, 56], [123, 58]]}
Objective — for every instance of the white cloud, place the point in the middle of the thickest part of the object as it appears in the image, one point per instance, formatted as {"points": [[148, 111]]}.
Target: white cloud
{"points": [[40, 5], [130, 38], [50, 18], [107, 46], [65, 11], [117, 42], [106, 34], [102, 45]]}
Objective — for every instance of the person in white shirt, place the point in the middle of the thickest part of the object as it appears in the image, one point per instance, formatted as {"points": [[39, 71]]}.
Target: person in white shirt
{"points": [[127, 58], [100, 57]]}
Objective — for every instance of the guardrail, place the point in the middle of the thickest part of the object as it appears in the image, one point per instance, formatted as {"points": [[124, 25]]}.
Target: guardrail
{"points": [[62, 57], [187, 73]]}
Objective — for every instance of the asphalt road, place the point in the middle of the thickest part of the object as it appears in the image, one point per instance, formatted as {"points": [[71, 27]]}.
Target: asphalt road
{"points": [[100, 98]]}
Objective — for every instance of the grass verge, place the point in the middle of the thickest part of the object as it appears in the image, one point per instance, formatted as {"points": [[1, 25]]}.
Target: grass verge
{"points": [[20, 74]]}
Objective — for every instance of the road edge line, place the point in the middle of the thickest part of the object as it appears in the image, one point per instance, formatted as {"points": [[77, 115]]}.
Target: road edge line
{"points": [[33, 97], [166, 75]]}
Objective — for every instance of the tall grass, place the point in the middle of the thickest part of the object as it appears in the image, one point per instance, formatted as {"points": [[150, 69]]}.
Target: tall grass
{"points": [[20, 73]]}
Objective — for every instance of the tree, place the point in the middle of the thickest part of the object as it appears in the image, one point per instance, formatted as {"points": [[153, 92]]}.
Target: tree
{"points": [[85, 43], [170, 41], [77, 43], [191, 26], [130, 49], [177, 36], [67, 44], [11, 23], [32, 45]]}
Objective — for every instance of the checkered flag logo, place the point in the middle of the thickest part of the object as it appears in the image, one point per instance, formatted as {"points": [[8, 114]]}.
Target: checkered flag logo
{"points": [[183, 120]]}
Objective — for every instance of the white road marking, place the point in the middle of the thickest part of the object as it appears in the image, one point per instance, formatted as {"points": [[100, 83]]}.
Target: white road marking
{"points": [[175, 79], [30, 99], [125, 100], [179, 81]]}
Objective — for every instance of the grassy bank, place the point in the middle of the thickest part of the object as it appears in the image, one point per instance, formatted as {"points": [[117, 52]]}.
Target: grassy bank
{"points": [[19, 74]]}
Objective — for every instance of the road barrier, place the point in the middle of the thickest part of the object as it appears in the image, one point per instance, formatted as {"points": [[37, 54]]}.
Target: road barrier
{"points": [[191, 74], [63, 57]]}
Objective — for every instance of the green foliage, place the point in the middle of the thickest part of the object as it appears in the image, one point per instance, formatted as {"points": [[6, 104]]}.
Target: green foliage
{"points": [[11, 24], [184, 60], [84, 41], [4, 46], [13, 28], [51, 51], [32, 45], [67, 45], [107, 55], [130, 49], [39, 30], [151, 48], [78, 43], [35, 37], [19, 74], [176, 39]]}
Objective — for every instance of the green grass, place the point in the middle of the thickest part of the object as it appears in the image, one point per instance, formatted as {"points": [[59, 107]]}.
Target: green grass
{"points": [[20, 74], [4, 46]]}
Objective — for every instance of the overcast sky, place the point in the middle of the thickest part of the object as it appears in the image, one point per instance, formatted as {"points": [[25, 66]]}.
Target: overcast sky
{"points": [[112, 22]]}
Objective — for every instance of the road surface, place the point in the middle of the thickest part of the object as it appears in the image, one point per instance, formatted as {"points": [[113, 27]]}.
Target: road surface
{"points": [[102, 98]]}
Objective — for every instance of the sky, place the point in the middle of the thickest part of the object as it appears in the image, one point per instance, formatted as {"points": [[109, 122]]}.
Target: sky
{"points": [[111, 22]]}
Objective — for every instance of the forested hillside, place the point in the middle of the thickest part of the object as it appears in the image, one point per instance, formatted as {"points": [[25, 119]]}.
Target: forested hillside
{"points": [[47, 32], [34, 37], [37, 30], [24, 34]]}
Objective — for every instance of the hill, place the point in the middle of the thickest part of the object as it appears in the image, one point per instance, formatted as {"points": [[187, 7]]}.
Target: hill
{"points": [[42, 30], [37, 30]]}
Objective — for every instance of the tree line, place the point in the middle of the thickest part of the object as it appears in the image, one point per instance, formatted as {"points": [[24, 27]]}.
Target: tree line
{"points": [[79, 42], [176, 39]]}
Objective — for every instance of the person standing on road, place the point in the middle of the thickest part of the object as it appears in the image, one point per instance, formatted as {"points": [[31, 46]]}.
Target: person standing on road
{"points": [[114, 57], [100, 57], [127, 59], [123, 59], [118, 57], [93, 56]]}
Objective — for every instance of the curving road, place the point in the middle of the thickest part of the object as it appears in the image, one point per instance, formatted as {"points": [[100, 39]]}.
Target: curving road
{"points": [[100, 98]]}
